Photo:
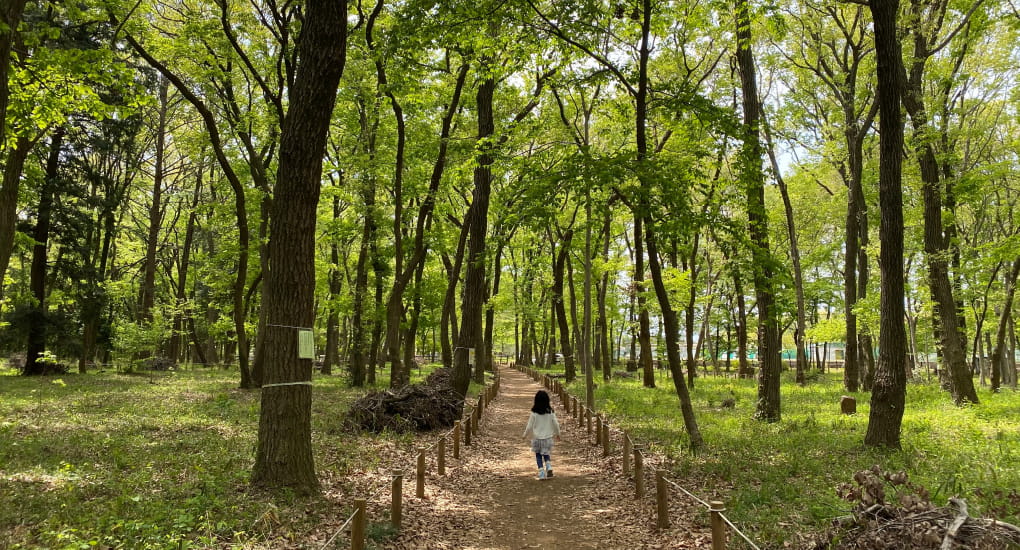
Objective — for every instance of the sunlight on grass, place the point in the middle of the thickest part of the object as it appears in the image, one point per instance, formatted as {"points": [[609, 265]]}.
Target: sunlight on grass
{"points": [[151, 461]]}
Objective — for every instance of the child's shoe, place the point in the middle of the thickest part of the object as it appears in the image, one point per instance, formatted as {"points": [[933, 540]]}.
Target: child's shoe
{"points": [[548, 471], [541, 474]]}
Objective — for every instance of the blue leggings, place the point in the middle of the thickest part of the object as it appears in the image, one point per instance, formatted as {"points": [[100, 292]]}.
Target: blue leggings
{"points": [[539, 457]]}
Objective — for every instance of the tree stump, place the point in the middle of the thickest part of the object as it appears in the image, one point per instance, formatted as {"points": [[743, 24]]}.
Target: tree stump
{"points": [[848, 405]]}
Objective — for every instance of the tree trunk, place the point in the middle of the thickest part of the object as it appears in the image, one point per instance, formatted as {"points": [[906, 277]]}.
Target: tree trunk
{"points": [[37, 319], [453, 270], [644, 323], [559, 266], [147, 299], [999, 359], [769, 334], [936, 243], [13, 168], [474, 277], [889, 392], [798, 276], [284, 452], [394, 307], [183, 309], [10, 18], [332, 355]]}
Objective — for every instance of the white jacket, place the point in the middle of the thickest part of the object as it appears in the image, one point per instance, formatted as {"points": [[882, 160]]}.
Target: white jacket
{"points": [[542, 426]]}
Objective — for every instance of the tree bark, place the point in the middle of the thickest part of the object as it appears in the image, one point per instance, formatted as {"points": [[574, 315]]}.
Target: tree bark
{"points": [[284, 452], [769, 333], [888, 395], [474, 279], [37, 319], [644, 323], [13, 168]]}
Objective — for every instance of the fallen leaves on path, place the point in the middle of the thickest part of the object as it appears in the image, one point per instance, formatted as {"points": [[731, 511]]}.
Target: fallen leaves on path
{"points": [[490, 498]]}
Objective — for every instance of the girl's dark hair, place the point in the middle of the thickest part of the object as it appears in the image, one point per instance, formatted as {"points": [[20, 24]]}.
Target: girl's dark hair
{"points": [[541, 405]]}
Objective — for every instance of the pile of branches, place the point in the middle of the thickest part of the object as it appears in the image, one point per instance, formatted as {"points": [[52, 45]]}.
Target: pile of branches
{"points": [[890, 512], [423, 407]]}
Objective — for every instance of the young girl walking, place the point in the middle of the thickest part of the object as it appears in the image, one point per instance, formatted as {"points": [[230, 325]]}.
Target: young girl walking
{"points": [[543, 427]]}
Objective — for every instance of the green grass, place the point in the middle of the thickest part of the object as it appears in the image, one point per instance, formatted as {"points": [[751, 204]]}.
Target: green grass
{"points": [[779, 479], [110, 460]]}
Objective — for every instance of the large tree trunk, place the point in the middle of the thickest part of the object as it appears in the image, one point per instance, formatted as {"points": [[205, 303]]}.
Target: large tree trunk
{"points": [[474, 277], [769, 333], [284, 453], [889, 392], [37, 319]]}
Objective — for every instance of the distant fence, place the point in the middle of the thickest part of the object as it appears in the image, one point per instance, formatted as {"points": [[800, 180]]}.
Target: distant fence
{"points": [[632, 462], [462, 430]]}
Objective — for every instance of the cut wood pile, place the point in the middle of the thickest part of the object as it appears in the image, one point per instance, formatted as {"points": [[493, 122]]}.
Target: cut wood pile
{"points": [[432, 405], [890, 512]]}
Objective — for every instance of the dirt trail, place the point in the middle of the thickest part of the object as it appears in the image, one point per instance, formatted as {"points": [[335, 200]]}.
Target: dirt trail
{"points": [[491, 499]]}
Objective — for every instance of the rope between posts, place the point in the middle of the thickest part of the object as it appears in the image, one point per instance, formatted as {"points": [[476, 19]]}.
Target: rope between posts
{"points": [[688, 493], [340, 530], [695, 497], [737, 531]]}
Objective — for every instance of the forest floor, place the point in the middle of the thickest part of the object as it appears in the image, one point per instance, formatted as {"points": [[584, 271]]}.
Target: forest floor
{"points": [[492, 499]]}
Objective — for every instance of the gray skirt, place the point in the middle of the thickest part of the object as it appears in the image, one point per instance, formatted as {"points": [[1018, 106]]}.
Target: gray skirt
{"points": [[542, 446]]}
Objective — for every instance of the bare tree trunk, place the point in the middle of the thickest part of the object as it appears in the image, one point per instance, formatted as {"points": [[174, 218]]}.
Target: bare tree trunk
{"points": [[474, 278], [769, 334], [37, 319], [889, 393], [284, 452]]}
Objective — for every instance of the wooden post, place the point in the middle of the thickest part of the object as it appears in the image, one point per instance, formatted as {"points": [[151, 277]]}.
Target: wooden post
{"points": [[421, 473], [662, 499], [456, 440], [397, 499], [576, 411], [441, 456], [587, 413], [626, 452], [605, 438], [480, 409], [579, 411], [639, 472], [718, 525], [358, 525], [598, 429], [467, 430], [477, 414]]}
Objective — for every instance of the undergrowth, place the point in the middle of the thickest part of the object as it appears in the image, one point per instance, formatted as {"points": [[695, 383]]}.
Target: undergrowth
{"points": [[779, 481]]}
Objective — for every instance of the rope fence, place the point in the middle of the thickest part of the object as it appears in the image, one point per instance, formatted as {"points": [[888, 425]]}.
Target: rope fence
{"points": [[632, 462], [472, 416]]}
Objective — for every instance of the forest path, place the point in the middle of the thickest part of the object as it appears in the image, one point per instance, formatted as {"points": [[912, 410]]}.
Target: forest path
{"points": [[492, 499]]}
